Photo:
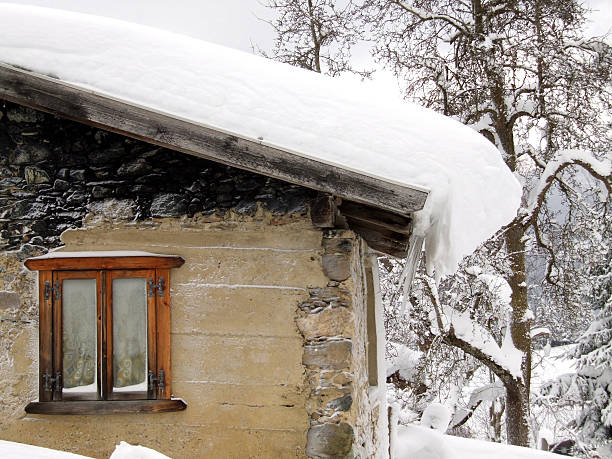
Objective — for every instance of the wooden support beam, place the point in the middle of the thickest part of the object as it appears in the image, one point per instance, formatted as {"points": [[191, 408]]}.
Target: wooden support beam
{"points": [[93, 262], [86, 106], [381, 239], [377, 217], [323, 211]]}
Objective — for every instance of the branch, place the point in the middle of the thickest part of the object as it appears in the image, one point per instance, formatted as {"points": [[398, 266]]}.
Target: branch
{"points": [[427, 16], [600, 170], [541, 243], [502, 373], [432, 291], [450, 338]]}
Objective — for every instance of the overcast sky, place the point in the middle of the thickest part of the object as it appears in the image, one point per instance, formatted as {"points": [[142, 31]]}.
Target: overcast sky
{"points": [[232, 23]]}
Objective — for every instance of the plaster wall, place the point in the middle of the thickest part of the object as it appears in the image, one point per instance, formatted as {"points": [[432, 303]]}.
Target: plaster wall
{"points": [[236, 351]]}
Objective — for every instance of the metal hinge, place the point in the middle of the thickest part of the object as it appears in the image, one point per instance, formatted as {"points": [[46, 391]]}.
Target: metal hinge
{"points": [[55, 289], [52, 384], [160, 380], [159, 286]]}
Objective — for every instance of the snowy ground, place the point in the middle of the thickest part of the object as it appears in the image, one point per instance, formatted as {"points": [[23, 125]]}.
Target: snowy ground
{"points": [[413, 442], [416, 442], [12, 450]]}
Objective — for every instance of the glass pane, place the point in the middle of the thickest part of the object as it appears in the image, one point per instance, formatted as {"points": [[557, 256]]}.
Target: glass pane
{"points": [[79, 335], [129, 335]]}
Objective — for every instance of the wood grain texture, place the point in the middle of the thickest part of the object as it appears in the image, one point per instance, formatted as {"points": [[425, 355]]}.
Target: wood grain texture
{"points": [[54, 96], [106, 406], [163, 315], [78, 263], [376, 217], [381, 239], [45, 335], [323, 211]]}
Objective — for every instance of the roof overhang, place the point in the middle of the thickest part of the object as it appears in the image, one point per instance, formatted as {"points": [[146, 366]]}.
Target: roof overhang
{"points": [[378, 209]]}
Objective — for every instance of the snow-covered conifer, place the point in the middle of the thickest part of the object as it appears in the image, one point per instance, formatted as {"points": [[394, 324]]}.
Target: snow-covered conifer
{"points": [[595, 365]]}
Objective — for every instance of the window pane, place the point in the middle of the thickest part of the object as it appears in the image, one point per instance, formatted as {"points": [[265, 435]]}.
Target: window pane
{"points": [[79, 335], [129, 335]]}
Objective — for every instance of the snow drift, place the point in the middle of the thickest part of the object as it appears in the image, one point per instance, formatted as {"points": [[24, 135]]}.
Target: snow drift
{"points": [[416, 442], [336, 121]]}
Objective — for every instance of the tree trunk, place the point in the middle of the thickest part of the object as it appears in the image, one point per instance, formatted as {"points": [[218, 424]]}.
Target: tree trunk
{"points": [[517, 402], [517, 414], [495, 419]]}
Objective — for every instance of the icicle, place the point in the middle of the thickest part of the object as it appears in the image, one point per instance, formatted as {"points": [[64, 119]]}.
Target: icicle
{"points": [[410, 267]]}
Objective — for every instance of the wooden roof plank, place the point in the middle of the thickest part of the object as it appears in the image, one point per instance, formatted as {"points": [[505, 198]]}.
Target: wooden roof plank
{"points": [[381, 239], [376, 217]]}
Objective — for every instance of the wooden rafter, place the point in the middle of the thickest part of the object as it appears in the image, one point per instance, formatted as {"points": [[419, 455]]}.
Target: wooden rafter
{"points": [[384, 231]]}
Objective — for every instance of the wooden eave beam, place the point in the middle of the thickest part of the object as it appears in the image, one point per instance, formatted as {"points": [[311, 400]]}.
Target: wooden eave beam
{"points": [[381, 239], [54, 96], [376, 217], [384, 231]]}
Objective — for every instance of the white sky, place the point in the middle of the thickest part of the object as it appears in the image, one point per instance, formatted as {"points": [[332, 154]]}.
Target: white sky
{"points": [[231, 23]]}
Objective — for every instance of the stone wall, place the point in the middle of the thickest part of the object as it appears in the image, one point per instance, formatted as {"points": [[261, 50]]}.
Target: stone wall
{"points": [[54, 171], [344, 410], [18, 333]]}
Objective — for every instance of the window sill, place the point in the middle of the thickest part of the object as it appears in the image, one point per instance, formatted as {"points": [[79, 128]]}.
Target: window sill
{"points": [[106, 406]]}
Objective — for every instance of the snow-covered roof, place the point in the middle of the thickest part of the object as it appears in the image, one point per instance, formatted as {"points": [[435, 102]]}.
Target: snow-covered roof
{"points": [[338, 122]]}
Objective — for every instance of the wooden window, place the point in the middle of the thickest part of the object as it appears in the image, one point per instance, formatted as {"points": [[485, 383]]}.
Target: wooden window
{"points": [[104, 333]]}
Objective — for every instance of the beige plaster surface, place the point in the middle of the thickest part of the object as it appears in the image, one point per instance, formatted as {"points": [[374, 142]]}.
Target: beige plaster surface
{"points": [[236, 351]]}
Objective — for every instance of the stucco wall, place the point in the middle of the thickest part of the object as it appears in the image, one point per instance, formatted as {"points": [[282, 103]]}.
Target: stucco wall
{"points": [[269, 343], [236, 351]]}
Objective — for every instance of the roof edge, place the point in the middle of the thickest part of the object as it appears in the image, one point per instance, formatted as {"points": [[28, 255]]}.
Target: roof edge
{"points": [[81, 104]]}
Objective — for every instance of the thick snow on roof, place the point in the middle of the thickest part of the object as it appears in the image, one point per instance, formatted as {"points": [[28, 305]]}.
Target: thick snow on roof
{"points": [[337, 121]]}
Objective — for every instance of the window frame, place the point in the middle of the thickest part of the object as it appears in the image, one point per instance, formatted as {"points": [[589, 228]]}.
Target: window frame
{"points": [[56, 267]]}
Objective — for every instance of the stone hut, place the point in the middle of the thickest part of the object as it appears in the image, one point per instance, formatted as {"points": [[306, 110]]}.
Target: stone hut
{"points": [[272, 316], [271, 330], [189, 238]]}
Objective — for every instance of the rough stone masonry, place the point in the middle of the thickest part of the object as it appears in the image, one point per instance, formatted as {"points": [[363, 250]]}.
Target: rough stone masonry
{"points": [[53, 172]]}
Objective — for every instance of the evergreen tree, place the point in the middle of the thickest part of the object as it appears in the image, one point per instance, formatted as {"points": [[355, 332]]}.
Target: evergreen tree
{"points": [[595, 365]]}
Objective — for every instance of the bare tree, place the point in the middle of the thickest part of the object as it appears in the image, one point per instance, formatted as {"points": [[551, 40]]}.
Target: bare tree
{"points": [[521, 73], [314, 34]]}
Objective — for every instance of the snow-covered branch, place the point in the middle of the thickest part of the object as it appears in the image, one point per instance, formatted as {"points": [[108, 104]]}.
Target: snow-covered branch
{"points": [[458, 329], [599, 169]]}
